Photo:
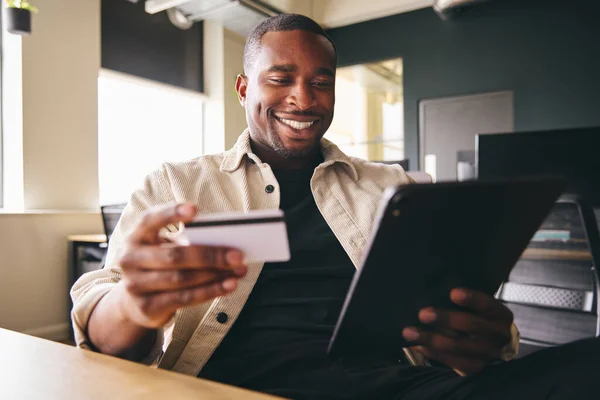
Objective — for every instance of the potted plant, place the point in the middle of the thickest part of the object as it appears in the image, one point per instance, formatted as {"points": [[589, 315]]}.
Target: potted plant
{"points": [[18, 16]]}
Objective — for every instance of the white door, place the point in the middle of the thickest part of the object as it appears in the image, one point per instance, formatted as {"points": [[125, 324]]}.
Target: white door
{"points": [[449, 125]]}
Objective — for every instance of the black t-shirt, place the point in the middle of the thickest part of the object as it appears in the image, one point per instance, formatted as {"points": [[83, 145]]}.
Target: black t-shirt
{"points": [[300, 299], [296, 301], [279, 342]]}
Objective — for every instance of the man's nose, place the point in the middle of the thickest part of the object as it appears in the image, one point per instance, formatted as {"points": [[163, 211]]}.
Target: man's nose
{"points": [[302, 96]]}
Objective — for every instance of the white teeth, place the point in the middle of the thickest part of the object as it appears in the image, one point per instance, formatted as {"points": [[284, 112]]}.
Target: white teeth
{"points": [[296, 124]]}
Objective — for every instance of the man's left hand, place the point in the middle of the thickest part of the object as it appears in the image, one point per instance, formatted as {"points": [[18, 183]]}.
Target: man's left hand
{"points": [[464, 340]]}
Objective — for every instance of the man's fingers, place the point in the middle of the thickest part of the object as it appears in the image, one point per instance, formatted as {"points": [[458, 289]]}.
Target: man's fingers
{"points": [[171, 256], [148, 228], [168, 302], [462, 347], [144, 282], [461, 364], [484, 304], [468, 323]]}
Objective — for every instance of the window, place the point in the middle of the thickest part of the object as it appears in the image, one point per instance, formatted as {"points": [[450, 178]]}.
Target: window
{"points": [[142, 124], [11, 123], [369, 111]]}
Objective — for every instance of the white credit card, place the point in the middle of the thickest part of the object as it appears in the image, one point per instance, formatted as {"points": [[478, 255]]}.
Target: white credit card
{"points": [[261, 235]]}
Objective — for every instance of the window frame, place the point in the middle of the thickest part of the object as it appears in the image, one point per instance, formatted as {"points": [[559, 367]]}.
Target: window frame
{"points": [[1, 109]]}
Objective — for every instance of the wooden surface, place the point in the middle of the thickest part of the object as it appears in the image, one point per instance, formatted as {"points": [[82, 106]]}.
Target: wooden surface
{"points": [[33, 368], [87, 238]]}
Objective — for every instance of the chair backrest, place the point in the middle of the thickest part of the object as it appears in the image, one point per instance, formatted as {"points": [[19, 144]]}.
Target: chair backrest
{"points": [[110, 217], [403, 163], [553, 289]]}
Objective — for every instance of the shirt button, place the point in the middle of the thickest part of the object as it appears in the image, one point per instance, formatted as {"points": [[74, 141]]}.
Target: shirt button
{"points": [[269, 188], [222, 317]]}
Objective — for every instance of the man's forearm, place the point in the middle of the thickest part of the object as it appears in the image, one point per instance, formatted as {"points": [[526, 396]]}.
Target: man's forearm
{"points": [[111, 333]]}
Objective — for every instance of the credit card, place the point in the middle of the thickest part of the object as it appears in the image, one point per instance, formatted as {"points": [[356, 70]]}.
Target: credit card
{"points": [[261, 235]]}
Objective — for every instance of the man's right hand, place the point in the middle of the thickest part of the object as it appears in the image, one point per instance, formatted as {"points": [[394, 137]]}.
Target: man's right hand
{"points": [[158, 278]]}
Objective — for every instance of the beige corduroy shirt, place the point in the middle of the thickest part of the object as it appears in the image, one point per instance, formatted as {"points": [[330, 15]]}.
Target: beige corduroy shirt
{"points": [[347, 192]]}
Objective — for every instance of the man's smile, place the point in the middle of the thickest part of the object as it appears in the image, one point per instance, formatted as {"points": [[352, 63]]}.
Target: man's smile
{"points": [[298, 126]]}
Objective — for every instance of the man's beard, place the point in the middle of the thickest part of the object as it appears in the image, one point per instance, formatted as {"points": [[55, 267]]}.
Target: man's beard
{"points": [[277, 145], [279, 148]]}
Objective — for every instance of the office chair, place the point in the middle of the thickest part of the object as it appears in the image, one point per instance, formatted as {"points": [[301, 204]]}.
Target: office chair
{"points": [[553, 291], [110, 218], [405, 164]]}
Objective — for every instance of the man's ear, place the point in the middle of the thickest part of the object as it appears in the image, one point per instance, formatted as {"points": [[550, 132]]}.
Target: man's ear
{"points": [[241, 84]]}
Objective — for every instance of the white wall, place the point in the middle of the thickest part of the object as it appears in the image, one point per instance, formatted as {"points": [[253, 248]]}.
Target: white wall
{"points": [[12, 122], [235, 116], [214, 112], [33, 270], [61, 61], [224, 117], [58, 132]]}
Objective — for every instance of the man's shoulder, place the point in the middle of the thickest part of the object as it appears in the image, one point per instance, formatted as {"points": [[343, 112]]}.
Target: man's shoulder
{"points": [[186, 173], [380, 166], [206, 163]]}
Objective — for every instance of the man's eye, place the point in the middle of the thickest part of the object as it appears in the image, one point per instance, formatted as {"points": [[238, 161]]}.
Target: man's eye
{"points": [[323, 84], [279, 80]]}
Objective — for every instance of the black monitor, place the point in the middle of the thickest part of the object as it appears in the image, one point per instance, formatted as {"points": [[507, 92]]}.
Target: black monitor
{"points": [[573, 153]]}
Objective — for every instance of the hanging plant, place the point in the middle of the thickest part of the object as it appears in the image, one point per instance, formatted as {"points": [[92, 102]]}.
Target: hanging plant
{"points": [[18, 16]]}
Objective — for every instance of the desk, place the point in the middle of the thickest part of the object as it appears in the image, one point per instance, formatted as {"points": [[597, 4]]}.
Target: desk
{"points": [[87, 238], [76, 244], [34, 368]]}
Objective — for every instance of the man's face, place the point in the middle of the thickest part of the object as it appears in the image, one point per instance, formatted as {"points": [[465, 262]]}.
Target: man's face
{"points": [[289, 92]]}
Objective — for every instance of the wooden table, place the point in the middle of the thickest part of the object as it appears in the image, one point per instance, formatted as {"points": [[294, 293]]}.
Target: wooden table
{"points": [[99, 238], [33, 368]]}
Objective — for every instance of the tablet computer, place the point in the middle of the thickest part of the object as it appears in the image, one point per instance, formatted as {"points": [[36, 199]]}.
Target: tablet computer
{"points": [[430, 238]]}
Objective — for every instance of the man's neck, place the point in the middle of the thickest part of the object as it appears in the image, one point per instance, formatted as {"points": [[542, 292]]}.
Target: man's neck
{"points": [[277, 161]]}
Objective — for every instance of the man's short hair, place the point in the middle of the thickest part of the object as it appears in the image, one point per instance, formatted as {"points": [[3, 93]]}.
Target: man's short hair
{"points": [[280, 23]]}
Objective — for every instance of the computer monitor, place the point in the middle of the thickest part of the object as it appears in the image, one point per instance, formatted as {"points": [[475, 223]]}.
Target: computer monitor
{"points": [[110, 217], [572, 153]]}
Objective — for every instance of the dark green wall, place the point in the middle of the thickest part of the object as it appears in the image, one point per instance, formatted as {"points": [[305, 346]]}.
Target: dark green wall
{"points": [[150, 46], [548, 53]]}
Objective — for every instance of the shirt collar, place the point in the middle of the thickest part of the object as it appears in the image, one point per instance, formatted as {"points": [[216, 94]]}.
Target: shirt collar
{"points": [[331, 155]]}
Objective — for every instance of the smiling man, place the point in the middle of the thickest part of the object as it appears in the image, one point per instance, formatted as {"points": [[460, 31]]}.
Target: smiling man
{"points": [[199, 310], [288, 99]]}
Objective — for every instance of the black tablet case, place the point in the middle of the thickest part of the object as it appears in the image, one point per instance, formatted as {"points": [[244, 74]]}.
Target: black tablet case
{"points": [[429, 239]]}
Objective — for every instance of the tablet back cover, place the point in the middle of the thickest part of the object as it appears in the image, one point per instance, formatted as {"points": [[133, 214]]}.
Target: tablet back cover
{"points": [[428, 239]]}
